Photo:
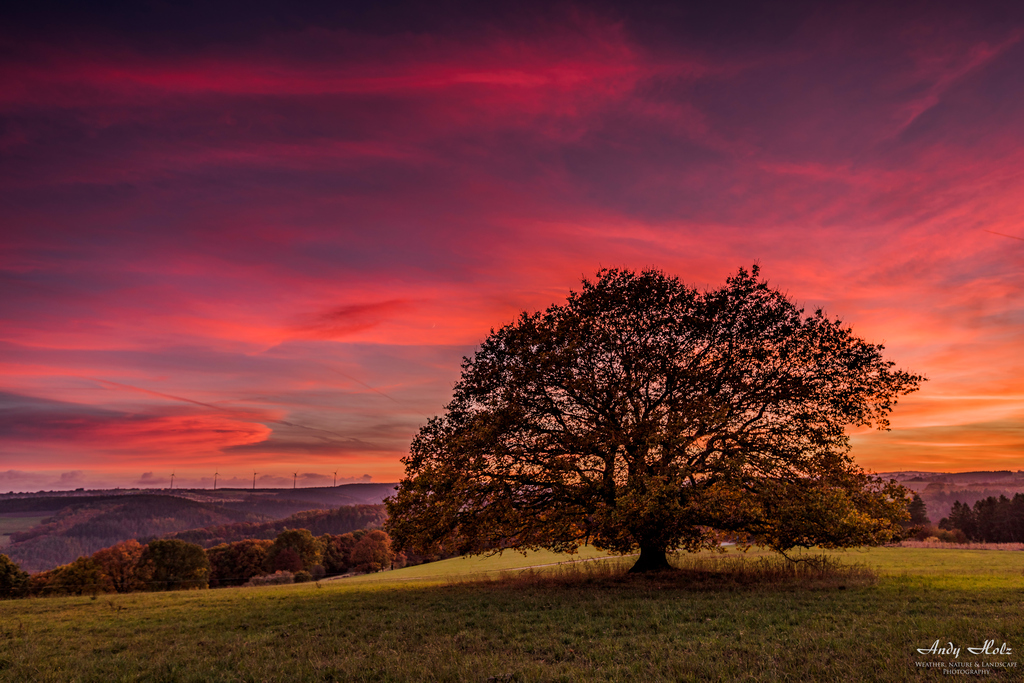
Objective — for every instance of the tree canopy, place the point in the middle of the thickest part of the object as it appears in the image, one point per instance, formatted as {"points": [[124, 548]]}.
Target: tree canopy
{"points": [[13, 581], [643, 413], [918, 510], [172, 564]]}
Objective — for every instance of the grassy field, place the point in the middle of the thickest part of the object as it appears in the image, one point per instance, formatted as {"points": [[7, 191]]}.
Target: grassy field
{"points": [[14, 524], [479, 619], [484, 567]]}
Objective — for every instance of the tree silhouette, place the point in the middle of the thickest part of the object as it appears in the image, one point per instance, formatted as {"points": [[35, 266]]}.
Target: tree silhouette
{"points": [[992, 520], [918, 511], [646, 414], [13, 581]]}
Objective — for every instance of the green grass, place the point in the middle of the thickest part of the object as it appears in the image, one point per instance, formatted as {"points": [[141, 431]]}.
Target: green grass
{"points": [[479, 619], [10, 525], [482, 566]]}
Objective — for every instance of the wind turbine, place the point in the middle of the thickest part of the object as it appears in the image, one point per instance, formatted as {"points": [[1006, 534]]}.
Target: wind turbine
{"points": [[335, 479], [295, 478], [1003, 234], [215, 480], [254, 480], [172, 481]]}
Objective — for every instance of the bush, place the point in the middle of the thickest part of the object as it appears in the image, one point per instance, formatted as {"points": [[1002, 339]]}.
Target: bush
{"points": [[951, 536], [303, 577], [278, 577], [930, 532], [13, 581], [81, 577]]}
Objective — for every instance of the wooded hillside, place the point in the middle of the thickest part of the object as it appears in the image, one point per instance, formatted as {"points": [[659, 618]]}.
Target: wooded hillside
{"points": [[80, 523], [84, 528], [338, 521]]}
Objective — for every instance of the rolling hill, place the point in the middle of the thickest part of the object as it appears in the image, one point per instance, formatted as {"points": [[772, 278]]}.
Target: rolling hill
{"points": [[80, 524]]}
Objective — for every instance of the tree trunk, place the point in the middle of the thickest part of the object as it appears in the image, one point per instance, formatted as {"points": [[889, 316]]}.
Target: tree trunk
{"points": [[651, 560]]}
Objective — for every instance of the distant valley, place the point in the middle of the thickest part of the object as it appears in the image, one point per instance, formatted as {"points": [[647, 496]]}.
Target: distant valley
{"points": [[42, 530]]}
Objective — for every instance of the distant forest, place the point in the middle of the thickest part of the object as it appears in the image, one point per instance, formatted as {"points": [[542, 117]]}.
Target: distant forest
{"points": [[81, 525], [319, 522], [992, 520], [940, 490]]}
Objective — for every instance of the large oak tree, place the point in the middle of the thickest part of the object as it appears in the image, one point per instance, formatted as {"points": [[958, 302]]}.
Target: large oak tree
{"points": [[645, 414]]}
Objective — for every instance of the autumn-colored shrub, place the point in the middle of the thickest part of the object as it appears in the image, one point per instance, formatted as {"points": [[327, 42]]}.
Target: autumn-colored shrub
{"points": [[84, 576], [932, 532], [13, 581], [170, 564], [272, 579]]}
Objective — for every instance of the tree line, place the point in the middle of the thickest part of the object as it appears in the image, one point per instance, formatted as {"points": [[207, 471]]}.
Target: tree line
{"points": [[86, 526], [295, 555], [991, 520], [318, 522], [940, 499]]}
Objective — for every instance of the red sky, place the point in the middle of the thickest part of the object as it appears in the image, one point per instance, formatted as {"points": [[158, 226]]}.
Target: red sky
{"points": [[240, 238]]}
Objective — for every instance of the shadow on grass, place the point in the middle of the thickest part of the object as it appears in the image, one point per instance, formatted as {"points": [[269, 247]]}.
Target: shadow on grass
{"points": [[696, 572]]}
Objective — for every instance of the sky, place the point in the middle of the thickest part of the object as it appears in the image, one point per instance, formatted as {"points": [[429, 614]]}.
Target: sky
{"points": [[246, 238]]}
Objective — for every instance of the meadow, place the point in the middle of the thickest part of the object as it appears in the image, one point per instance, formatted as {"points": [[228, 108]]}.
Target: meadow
{"points": [[727, 617], [12, 524]]}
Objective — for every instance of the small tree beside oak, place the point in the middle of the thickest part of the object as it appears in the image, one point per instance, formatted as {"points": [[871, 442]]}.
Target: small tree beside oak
{"points": [[645, 414]]}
